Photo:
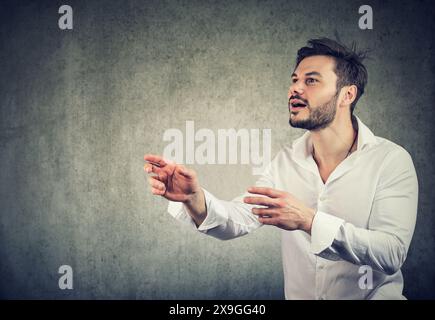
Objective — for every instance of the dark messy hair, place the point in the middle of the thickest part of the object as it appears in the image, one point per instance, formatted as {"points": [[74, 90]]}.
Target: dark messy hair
{"points": [[348, 63]]}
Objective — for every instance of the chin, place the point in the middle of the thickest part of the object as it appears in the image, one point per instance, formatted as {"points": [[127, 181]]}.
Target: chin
{"points": [[293, 123], [297, 118], [297, 121]]}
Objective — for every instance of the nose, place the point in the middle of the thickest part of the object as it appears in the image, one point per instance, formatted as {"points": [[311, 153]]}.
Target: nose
{"points": [[296, 88]]}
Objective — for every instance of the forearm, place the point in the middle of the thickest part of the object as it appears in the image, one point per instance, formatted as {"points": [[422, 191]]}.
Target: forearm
{"points": [[196, 207], [383, 250], [223, 219], [218, 218]]}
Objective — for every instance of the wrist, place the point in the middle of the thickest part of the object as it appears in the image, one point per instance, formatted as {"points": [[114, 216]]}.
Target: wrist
{"points": [[193, 198], [196, 207], [309, 220], [196, 203]]}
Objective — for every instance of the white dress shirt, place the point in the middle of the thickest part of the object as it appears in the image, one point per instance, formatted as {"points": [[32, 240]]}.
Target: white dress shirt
{"points": [[365, 216]]}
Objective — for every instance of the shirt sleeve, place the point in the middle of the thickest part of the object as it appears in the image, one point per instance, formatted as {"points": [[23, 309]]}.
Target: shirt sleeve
{"points": [[384, 244], [225, 219]]}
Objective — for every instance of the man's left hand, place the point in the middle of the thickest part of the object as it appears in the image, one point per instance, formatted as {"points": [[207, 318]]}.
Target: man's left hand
{"points": [[282, 210]]}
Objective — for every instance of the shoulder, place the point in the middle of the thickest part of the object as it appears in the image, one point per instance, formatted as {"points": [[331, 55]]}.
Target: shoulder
{"points": [[393, 159], [391, 151]]}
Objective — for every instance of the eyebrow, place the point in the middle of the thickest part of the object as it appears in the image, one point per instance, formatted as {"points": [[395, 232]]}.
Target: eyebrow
{"points": [[312, 73]]}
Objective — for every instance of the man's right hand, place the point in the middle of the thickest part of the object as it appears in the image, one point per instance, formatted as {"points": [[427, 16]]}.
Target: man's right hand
{"points": [[175, 182]]}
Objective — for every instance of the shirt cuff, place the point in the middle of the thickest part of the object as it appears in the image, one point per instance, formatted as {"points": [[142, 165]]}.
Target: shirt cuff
{"points": [[323, 231], [216, 213]]}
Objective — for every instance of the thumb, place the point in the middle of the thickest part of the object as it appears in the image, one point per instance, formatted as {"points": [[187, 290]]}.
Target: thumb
{"points": [[186, 172]]}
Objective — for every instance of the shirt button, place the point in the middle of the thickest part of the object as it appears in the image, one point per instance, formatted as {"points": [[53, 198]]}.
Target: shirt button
{"points": [[322, 198], [321, 267]]}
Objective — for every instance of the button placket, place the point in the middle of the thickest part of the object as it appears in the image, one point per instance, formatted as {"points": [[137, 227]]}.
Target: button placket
{"points": [[320, 279], [321, 195]]}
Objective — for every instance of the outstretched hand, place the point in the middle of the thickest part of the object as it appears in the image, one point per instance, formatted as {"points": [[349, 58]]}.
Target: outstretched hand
{"points": [[282, 210], [173, 181]]}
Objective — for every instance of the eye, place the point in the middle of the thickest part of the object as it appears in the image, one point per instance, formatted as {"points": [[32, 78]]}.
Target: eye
{"points": [[310, 81], [294, 80]]}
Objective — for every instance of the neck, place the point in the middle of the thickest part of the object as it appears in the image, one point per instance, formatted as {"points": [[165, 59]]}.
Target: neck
{"points": [[333, 144]]}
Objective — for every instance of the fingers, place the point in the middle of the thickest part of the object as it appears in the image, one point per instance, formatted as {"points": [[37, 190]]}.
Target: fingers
{"points": [[272, 193], [262, 201], [157, 192], [157, 187], [149, 167], [155, 183], [263, 212], [269, 221], [156, 160], [161, 174], [267, 216]]}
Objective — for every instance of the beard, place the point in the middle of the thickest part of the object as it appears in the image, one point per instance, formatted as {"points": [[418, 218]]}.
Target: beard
{"points": [[319, 118]]}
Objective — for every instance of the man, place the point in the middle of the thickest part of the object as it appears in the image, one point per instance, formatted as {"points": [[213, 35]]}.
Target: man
{"points": [[343, 197]]}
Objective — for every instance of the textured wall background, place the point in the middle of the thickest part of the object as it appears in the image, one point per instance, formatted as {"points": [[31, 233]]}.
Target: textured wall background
{"points": [[80, 108]]}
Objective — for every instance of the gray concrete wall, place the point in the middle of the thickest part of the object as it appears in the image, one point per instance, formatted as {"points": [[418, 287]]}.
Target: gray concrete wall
{"points": [[80, 108]]}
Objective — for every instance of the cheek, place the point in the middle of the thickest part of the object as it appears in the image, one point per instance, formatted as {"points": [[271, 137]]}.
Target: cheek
{"points": [[319, 96]]}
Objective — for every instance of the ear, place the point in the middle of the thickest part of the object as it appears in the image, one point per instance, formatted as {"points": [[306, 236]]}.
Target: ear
{"points": [[349, 94]]}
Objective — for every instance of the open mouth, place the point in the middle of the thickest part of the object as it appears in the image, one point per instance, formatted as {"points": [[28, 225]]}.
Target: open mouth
{"points": [[295, 104], [298, 105]]}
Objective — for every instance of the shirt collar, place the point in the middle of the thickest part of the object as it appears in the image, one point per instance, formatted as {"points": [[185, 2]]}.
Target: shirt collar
{"points": [[303, 146]]}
